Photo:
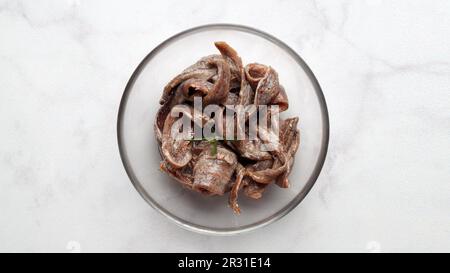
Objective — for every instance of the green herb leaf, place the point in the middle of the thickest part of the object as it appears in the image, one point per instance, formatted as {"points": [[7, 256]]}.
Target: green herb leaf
{"points": [[213, 146]]}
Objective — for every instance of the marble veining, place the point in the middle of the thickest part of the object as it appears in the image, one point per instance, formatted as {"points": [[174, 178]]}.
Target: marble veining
{"points": [[384, 67]]}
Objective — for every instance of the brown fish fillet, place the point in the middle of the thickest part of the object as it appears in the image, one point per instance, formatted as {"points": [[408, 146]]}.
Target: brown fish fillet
{"points": [[212, 173], [228, 165]]}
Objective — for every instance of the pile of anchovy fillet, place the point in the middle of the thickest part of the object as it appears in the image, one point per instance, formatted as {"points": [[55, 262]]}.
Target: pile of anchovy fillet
{"points": [[232, 165]]}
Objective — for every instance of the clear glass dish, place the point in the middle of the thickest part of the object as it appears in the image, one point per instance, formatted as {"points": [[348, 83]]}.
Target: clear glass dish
{"points": [[139, 151]]}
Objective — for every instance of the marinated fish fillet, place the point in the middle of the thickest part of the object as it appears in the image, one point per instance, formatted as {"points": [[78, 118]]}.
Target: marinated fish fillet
{"points": [[226, 165]]}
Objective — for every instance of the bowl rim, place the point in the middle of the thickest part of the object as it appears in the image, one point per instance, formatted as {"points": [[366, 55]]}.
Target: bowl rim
{"points": [[266, 221]]}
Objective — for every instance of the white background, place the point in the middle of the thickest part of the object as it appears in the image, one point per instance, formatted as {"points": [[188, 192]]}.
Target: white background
{"points": [[384, 67]]}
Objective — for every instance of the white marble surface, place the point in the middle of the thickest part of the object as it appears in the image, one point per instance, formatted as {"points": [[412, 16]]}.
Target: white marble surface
{"points": [[384, 67]]}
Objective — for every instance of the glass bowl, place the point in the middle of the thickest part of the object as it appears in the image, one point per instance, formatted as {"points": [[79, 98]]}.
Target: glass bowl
{"points": [[139, 150]]}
